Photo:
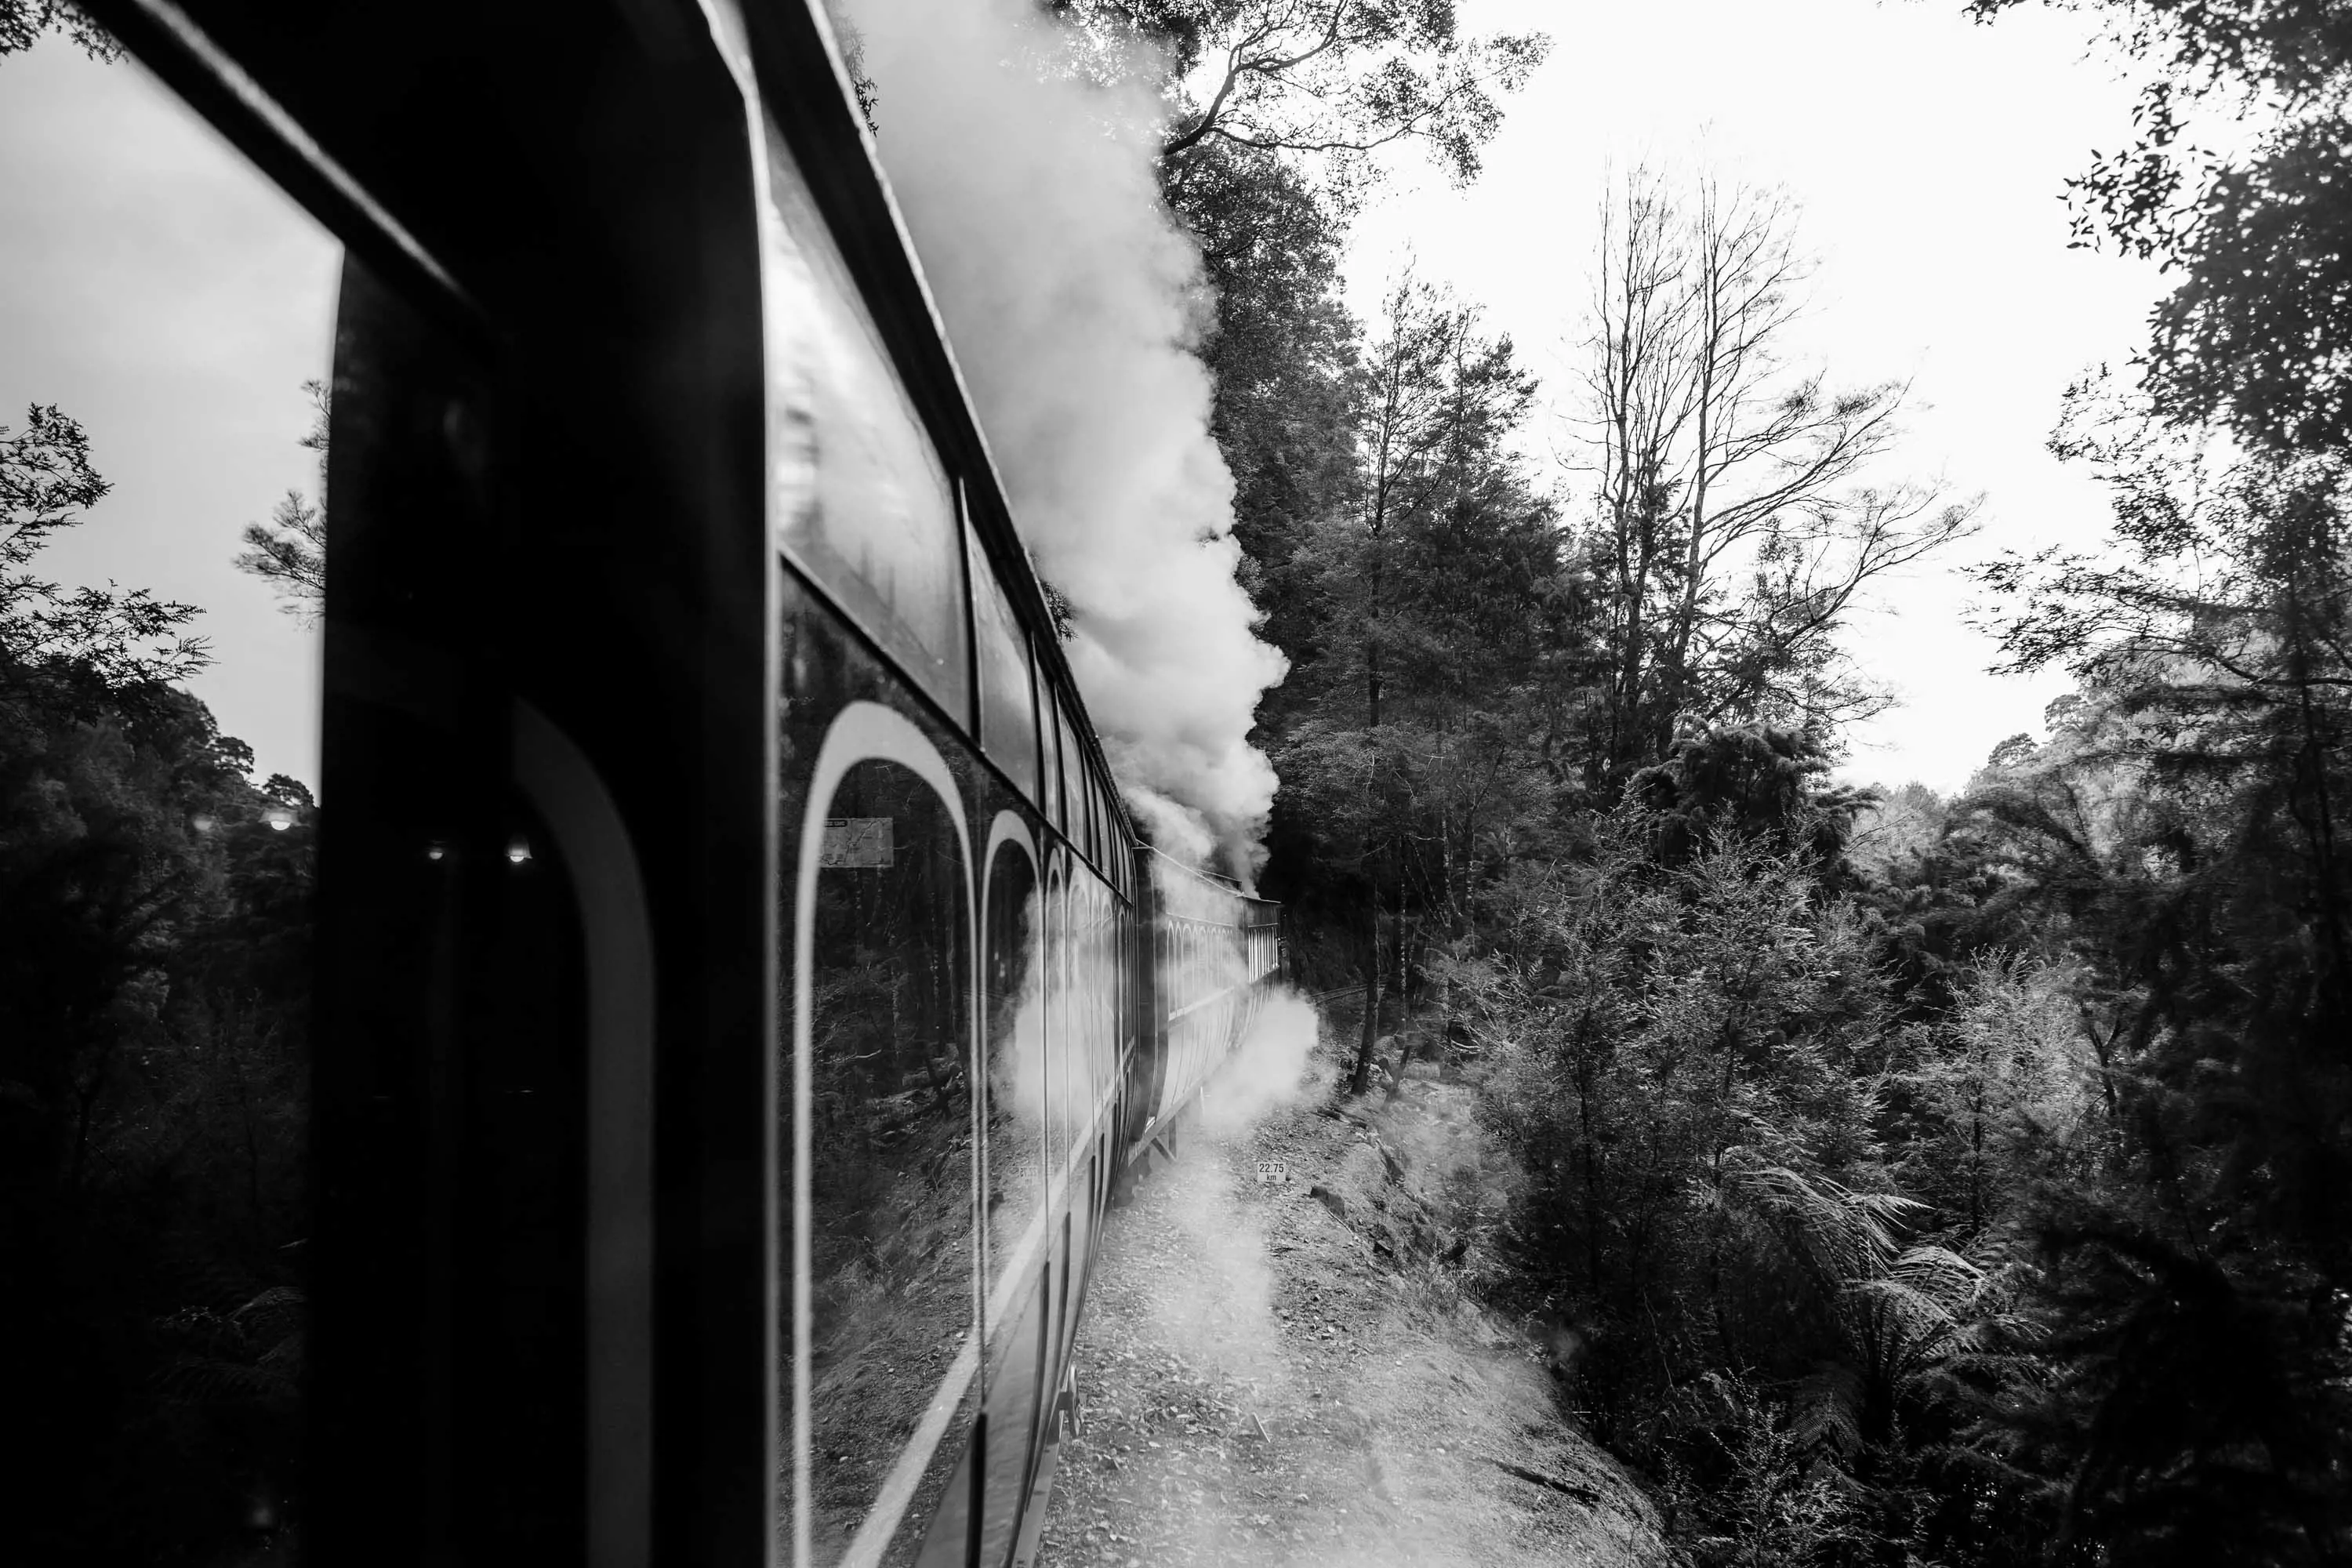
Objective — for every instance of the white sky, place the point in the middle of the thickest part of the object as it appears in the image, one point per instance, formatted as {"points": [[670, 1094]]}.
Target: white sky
{"points": [[1929, 156], [160, 291], [154, 286]]}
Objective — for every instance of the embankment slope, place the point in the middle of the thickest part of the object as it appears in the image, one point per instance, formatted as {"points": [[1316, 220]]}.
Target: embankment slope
{"points": [[1276, 1366]]}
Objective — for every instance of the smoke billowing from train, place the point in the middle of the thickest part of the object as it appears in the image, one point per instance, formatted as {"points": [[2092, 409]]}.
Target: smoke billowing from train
{"points": [[1024, 162]]}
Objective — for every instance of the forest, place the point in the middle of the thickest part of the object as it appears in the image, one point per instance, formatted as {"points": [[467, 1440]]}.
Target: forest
{"points": [[1908, 1178], [155, 979], [1911, 1180], [1916, 1180]]}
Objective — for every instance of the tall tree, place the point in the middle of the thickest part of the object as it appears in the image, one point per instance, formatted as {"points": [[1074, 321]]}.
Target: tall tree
{"points": [[1437, 598], [1326, 81], [153, 928], [93, 639], [289, 551], [2194, 1393], [24, 22], [2255, 333], [1282, 349], [1739, 513]]}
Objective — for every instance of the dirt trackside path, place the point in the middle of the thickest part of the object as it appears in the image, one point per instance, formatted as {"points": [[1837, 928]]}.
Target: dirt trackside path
{"points": [[1262, 1381]]}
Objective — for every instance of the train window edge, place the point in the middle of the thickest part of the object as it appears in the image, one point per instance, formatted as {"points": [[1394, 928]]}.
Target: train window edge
{"points": [[591, 834], [862, 731]]}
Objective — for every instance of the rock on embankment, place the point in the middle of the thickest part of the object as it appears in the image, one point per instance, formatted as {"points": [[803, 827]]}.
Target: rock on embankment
{"points": [[1277, 1368]]}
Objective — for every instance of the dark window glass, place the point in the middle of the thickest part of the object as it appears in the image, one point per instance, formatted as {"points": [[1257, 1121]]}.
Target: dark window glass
{"points": [[1016, 1064], [1016, 1369], [1093, 815], [1008, 704], [889, 1218], [156, 848]]}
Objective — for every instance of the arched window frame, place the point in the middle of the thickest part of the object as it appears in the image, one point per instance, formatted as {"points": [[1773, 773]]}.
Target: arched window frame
{"points": [[863, 732]]}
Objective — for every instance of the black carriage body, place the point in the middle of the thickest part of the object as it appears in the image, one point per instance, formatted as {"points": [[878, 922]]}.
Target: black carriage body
{"points": [[741, 987]]}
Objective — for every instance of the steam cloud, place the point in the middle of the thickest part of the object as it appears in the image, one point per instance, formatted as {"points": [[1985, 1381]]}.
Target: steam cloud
{"points": [[1022, 158], [1269, 1069]]}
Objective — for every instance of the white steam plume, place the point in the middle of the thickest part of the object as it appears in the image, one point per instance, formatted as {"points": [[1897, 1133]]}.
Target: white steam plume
{"points": [[1023, 158], [1268, 1067]]}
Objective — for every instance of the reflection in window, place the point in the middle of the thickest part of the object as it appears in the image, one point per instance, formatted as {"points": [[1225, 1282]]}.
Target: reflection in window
{"points": [[1105, 987], [155, 926], [861, 498], [1014, 1401], [1072, 777], [1012, 978], [1049, 732], [1008, 706], [1016, 1060], [1082, 1019], [1056, 952], [890, 1234], [1090, 992]]}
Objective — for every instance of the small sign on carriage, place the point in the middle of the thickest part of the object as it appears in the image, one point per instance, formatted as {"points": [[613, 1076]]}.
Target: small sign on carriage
{"points": [[854, 843]]}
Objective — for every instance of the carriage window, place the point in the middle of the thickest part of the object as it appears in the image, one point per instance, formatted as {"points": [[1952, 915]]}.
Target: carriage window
{"points": [[1102, 822], [1072, 779], [1091, 997], [1099, 1044], [1014, 1386], [860, 499], [1008, 705], [1090, 835], [1112, 921], [1049, 741], [1073, 1058], [1056, 954], [166, 305], [1089, 1026], [1097, 980], [890, 1211], [1016, 1060]]}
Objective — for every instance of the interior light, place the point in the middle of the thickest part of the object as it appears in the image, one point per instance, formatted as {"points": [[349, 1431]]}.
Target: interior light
{"points": [[280, 817], [518, 850]]}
